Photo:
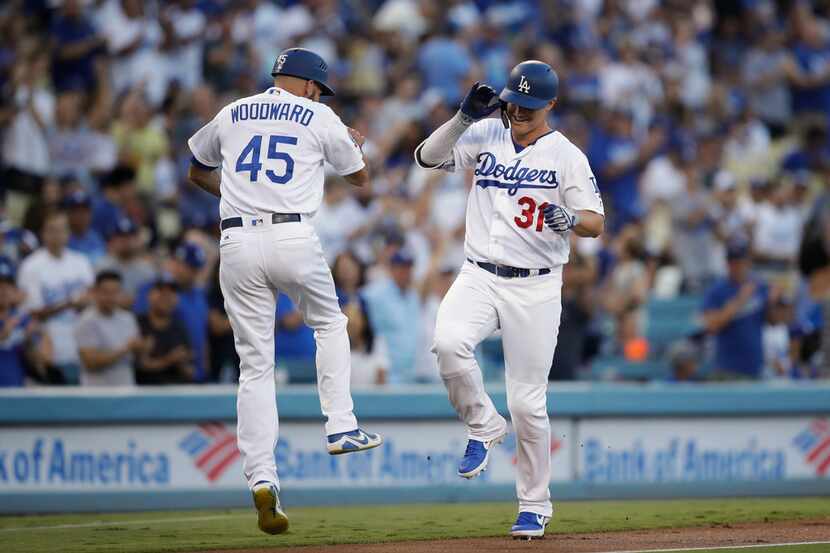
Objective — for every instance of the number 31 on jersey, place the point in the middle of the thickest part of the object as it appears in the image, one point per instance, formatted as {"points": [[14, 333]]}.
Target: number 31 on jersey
{"points": [[248, 160], [529, 212]]}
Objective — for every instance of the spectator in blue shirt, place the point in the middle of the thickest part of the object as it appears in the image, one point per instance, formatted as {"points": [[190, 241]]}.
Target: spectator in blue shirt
{"points": [[809, 73], [295, 348], [21, 342], [444, 63], [193, 309], [83, 238], [734, 311], [75, 46], [395, 315], [107, 210], [618, 158]]}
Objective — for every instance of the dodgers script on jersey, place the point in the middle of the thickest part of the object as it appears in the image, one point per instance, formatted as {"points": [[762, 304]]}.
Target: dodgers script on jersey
{"points": [[275, 146], [511, 188]]}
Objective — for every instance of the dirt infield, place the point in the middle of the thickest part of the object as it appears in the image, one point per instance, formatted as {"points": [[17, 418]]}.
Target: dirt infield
{"points": [[712, 536]]}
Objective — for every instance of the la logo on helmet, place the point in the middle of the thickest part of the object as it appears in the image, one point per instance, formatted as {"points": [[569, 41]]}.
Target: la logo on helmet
{"points": [[524, 86], [280, 62]]}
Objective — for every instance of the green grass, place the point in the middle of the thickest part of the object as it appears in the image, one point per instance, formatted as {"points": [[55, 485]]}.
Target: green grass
{"points": [[815, 548], [236, 529]]}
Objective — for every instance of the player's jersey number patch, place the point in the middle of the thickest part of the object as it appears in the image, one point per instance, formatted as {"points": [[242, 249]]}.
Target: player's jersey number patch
{"points": [[248, 160], [529, 213]]}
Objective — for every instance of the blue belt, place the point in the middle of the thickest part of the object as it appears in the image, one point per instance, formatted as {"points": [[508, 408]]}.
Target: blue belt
{"points": [[276, 218], [508, 272]]}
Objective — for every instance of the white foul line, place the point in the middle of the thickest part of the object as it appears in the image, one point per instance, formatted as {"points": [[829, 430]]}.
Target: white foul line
{"points": [[121, 523], [720, 547]]}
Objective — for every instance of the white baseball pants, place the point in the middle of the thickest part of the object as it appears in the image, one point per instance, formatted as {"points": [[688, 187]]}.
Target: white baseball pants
{"points": [[527, 310], [256, 262]]}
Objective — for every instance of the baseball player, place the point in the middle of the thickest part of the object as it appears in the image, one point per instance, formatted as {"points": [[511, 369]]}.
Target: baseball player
{"points": [[531, 189], [271, 149]]}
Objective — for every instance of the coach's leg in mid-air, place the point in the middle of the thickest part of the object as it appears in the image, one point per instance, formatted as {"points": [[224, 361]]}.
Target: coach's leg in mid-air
{"points": [[530, 312], [312, 289], [251, 306], [467, 316]]}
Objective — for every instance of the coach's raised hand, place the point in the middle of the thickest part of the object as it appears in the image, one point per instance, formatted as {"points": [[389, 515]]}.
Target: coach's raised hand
{"points": [[480, 101]]}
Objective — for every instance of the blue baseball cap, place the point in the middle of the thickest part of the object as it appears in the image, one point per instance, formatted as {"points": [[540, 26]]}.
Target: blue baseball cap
{"points": [[78, 198], [165, 280], [7, 272], [191, 254], [737, 249], [402, 257]]}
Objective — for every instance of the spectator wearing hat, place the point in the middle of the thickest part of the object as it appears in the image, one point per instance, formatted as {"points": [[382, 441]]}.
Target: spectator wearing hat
{"points": [[168, 358], [76, 45], [125, 256], [395, 312], [21, 342], [619, 157], [56, 282], [108, 207], [82, 237], [734, 312], [192, 310], [108, 336]]}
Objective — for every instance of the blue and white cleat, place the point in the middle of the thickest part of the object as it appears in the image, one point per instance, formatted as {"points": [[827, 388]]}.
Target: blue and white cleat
{"points": [[476, 457], [529, 525], [272, 519], [355, 440]]}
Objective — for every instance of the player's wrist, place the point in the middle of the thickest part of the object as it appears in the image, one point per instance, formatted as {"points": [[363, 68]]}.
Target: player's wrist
{"points": [[464, 119]]}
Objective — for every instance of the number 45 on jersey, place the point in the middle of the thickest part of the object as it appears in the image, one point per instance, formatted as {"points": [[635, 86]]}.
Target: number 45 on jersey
{"points": [[248, 160]]}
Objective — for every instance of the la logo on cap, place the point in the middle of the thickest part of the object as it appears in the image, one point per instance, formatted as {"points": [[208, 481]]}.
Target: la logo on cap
{"points": [[524, 86]]}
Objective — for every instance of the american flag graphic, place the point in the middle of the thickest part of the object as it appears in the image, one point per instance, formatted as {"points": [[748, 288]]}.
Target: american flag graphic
{"points": [[814, 443], [212, 448]]}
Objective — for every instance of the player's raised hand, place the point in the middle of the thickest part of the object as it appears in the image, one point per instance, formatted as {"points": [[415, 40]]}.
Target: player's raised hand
{"points": [[559, 218], [480, 101]]}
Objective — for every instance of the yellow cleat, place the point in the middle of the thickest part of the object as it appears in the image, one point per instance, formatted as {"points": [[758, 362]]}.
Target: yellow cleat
{"points": [[272, 519]]}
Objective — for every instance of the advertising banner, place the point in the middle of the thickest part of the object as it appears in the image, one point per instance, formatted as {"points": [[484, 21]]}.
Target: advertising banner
{"points": [[204, 456], [702, 449]]}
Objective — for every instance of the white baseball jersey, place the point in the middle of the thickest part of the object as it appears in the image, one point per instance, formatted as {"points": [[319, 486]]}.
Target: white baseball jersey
{"points": [[505, 224], [274, 146], [48, 281]]}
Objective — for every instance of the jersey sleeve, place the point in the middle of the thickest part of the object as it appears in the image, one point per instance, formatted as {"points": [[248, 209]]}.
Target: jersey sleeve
{"points": [[581, 191], [466, 150], [205, 146], [339, 149]]}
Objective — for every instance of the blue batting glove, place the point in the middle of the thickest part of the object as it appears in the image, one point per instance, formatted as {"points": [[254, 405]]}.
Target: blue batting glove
{"points": [[480, 101], [559, 218]]}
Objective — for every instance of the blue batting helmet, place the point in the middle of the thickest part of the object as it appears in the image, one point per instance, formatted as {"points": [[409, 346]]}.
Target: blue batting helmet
{"points": [[304, 64], [532, 84]]}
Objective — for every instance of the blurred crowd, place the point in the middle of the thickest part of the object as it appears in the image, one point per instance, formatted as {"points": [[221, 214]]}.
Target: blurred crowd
{"points": [[705, 122]]}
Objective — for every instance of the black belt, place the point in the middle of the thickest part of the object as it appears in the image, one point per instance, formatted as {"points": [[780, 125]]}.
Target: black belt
{"points": [[508, 272], [276, 218]]}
